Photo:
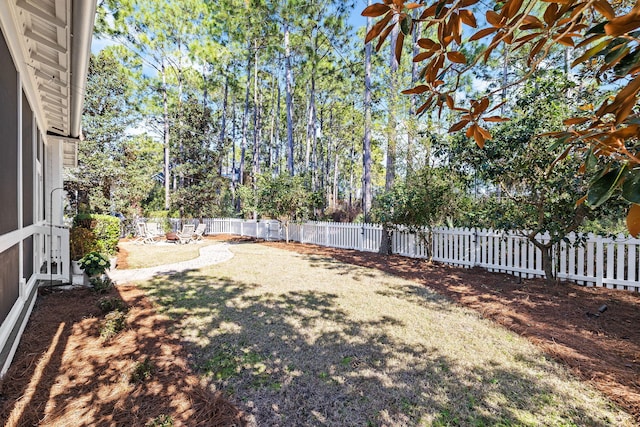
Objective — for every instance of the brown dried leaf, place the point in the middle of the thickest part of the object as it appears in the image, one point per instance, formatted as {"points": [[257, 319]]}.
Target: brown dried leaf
{"points": [[456, 127], [575, 121], [633, 220], [375, 10], [383, 37], [399, 42], [416, 90], [623, 24], [551, 14], [495, 119], [482, 33], [494, 19], [422, 56], [468, 18], [378, 26], [457, 57]]}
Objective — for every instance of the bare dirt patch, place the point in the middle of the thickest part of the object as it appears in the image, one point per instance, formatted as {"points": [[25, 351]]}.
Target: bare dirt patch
{"points": [[64, 373], [561, 320]]}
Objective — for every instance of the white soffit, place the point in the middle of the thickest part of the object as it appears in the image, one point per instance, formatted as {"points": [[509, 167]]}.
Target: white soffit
{"points": [[46, 32]]}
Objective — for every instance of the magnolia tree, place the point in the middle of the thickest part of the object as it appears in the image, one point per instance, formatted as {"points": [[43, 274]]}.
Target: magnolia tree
{"points": [[605, 35]]}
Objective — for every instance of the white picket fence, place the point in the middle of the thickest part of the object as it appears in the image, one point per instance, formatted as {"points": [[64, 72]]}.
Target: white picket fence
{"points": [[592, 261]]}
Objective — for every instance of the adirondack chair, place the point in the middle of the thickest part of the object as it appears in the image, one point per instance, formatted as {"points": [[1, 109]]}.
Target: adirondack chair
{"points": [[199, 233], [186, 235]]}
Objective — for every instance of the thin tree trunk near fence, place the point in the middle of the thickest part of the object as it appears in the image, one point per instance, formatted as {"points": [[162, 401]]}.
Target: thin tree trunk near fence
{"points": [[386, 246]]}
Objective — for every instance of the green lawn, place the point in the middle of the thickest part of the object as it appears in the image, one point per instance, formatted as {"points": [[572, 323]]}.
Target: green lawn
{"points": [[304, 340]]}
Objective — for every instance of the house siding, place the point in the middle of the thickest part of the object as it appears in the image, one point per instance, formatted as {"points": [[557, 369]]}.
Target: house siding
{"points": [[9, 279], [8, 141]]}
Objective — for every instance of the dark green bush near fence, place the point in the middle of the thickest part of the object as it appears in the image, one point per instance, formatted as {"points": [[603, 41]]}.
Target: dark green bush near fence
{"points": [[106, 229]]}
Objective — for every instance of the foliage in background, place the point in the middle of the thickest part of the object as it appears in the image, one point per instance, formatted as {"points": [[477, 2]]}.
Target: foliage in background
{"points": [[81, 242], [106, 229], [605, 38], [110, 174], [432, 196], [536, 193]]}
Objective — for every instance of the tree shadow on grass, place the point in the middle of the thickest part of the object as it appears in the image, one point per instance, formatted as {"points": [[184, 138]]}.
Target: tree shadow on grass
{"points": [[301, 358], [601, 349]]}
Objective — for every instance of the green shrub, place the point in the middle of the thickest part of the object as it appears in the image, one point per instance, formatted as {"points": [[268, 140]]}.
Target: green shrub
{"points": [[108, 304], [142, 371], [106, 229], [94, 263], [100, 285], [81, 242], [113, 323]]}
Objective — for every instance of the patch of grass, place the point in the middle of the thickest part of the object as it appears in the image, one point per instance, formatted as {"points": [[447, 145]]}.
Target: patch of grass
{"points": [[142, 371], [113, 323]]}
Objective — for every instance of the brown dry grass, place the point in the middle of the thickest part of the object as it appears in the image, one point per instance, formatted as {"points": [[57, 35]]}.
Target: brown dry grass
{"points": [[142, 256], [64, 374], [304, 339]]}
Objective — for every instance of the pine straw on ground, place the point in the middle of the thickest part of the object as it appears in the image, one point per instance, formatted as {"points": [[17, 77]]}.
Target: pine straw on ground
{"points": [[65, 374], [603, 350]]}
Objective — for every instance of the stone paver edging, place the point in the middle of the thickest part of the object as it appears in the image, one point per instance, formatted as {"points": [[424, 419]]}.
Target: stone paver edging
{"points": [[209, 255]]}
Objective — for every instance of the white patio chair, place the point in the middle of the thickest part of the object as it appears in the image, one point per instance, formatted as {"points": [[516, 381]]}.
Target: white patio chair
{"points": [[186, 235], [154, 230], [143, 235], [199, 233]]}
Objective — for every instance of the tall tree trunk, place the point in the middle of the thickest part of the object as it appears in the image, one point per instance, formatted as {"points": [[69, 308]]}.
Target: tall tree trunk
{"points": [[256, 125], [366, 141], [272, 130], [277, 128], [505, 78], [307, 150], [391, 126], [245, 118], [415, 76], [288, 100], [352, 156], [165, 117], [223, 124], [386, 244], [312, 121]]}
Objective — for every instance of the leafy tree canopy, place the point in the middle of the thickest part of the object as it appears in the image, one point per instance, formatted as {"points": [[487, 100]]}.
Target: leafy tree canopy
{"points": [[603, 34]]}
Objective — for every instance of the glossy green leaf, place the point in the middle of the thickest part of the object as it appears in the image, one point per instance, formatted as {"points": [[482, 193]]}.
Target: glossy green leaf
{"points": [[405, 25], [631, 187], [597, 29], [601, 190]]}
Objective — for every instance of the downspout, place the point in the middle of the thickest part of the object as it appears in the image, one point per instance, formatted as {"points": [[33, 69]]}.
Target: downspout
{"points": [[84, 13]]}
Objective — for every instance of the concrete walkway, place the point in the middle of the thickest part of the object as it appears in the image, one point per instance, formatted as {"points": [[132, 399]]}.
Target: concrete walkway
{"points": [[209, 255]]}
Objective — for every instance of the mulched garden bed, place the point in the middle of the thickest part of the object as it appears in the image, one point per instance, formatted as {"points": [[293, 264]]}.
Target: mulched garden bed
{"points": [[66, 374]]}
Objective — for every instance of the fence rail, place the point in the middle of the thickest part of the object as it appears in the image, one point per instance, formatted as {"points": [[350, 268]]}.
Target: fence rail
{"points": [[586, 259]]}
